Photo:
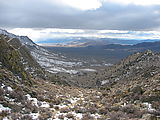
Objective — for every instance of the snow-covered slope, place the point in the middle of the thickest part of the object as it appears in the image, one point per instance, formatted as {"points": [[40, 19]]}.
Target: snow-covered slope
{"points": [[53, 62], [48, 60]]}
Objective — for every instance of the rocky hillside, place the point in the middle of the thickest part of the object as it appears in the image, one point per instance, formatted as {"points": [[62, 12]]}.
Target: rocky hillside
{"points": [[127, 91], [12, 48], [142, 65], [51, 62], [47, 101]]}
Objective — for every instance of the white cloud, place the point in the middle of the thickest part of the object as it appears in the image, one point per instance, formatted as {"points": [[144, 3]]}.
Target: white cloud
{"points": [[136, 2], [31, 33], [39, 34], [54, 33], [82, 4], [94, 4]]}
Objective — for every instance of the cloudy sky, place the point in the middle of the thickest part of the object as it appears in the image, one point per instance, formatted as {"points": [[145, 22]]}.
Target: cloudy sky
{"points": [[80, 15]]}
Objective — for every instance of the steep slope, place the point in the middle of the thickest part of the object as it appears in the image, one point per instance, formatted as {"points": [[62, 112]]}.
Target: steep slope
{"points": [[136, 79], [15, 76], [50, 61], [140, 65], [10, 58], [29, 63]]}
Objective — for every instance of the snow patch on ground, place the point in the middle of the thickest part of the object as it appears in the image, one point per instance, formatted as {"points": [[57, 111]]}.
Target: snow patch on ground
{"points": [[149, 106], [34, 115], [54, 64], [33, 100], [88, 70], [9, 89], [5, 118], [2, 86], [108, 64], [50, 58], [37, 103], [104, 82], [59, 69], [44, 105], [74, 100], [2, 108]]}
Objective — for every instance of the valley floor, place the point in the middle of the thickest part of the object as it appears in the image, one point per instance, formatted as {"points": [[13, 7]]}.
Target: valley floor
{"points": [[47, 101]]}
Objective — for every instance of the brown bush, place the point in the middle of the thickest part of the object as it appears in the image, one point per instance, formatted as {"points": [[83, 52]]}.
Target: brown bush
{"points": [[45, 113], [80, 110], [128, 109], [4, 114], [70, 115], [64, 110], [103, 111], [1, 91], [61, 116], [30, 107], [87, 117], [18, 96], [118, 116], [132, 111], [92, 110], [26, 117]]}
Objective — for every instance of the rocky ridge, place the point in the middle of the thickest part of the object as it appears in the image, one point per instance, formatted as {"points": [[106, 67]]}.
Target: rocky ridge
{"points": [[142, 65]]}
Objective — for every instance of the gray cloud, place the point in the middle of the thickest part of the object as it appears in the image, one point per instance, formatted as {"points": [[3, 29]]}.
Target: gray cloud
{"points": [[43, 14]]}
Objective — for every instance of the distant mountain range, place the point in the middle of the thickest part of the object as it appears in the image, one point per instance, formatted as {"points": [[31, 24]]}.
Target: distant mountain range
{"points": [[155, 46], [84, 42], [110, 53]]}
